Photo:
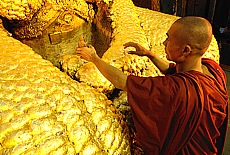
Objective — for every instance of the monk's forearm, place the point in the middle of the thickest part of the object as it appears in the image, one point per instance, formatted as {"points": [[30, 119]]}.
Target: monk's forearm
{"points": [[114, 75], [160, 63]]}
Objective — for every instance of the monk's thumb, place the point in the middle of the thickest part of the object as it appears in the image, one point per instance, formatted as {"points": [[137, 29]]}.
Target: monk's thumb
{"points": [[90, 46]]}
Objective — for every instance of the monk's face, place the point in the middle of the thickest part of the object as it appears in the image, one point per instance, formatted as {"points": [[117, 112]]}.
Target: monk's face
{"points": [[173, 44]]}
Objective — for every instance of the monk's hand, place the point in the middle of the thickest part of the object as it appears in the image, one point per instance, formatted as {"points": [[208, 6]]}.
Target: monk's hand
{"points": [[140, 51], [88, 53]]}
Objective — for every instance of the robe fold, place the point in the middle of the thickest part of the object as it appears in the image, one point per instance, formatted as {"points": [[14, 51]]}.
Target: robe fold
{"points": [[180, 113]]}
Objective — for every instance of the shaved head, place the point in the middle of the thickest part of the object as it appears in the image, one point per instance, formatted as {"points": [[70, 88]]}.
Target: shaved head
{"points": [[194, 31]]}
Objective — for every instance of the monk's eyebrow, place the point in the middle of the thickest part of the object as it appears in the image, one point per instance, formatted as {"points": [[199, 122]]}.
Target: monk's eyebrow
{"points": [[167, 34]]}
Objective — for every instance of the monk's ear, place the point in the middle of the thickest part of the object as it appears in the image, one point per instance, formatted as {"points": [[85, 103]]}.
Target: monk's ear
{"points": [[187, 50]]}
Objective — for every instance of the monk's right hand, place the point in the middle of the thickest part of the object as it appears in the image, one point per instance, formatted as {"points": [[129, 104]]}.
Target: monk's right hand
{"points": [[140, 51], [88, 53]]}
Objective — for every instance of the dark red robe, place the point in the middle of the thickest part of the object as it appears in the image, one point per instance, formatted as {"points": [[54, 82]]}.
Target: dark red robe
{"points": [[180, 113]]}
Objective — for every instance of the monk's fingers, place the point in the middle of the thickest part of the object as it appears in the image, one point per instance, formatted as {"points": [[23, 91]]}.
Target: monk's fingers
{"points": [[84, 56], [90, 46], [130, 44], [80, 52], [82, 49], [78, 49], [132, 52], [86, 53], [138, 52]]}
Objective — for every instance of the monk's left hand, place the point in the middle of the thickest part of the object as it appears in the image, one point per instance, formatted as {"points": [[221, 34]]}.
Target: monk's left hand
{"points": [[140, 51]]}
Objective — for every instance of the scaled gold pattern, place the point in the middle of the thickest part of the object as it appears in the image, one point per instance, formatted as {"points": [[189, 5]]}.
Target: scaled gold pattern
{"points": [[45, 111]]}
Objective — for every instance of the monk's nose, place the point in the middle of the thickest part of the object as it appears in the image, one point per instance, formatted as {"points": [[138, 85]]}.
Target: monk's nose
{"points": [[165, 42]]}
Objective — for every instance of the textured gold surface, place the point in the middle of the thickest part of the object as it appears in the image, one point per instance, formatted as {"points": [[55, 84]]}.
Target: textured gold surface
{"points": [[43, 110], [52, 28], [32, 17]]}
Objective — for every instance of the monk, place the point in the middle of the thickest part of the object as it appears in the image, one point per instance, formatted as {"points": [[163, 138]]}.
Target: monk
{"points": [[185, 111]]}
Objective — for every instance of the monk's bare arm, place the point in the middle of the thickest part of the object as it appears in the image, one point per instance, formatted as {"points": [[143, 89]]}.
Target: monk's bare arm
{"points": [[160, 63], [114, 75]]}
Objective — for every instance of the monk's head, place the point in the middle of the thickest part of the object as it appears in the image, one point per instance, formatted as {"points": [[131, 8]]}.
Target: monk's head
{"points": [[188, 36]]}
